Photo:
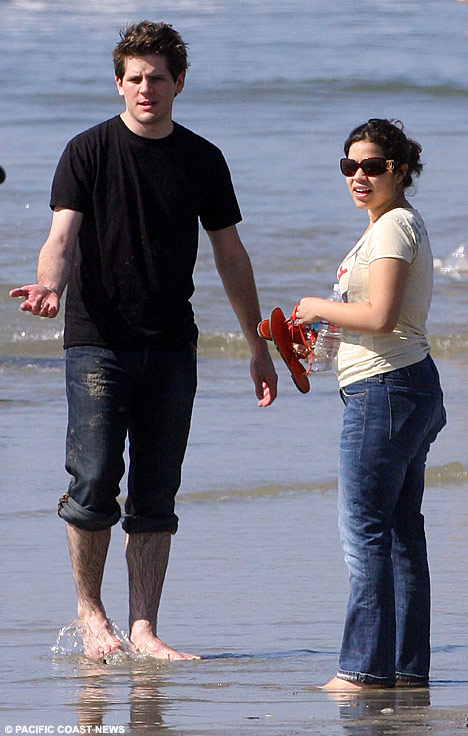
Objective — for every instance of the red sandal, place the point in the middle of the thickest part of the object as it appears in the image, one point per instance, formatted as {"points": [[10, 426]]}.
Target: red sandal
{"points": [[294, 343]]}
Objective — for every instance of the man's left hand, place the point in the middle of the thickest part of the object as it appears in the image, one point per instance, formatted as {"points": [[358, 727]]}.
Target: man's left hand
{"points": [[265, 378]]}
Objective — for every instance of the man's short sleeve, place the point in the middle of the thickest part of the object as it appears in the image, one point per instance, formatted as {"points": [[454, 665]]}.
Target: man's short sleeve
{"points": [[219, 208], [71, 187]]}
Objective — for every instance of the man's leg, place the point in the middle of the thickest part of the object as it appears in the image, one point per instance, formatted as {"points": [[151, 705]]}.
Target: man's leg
{"points": [[158, 432], [88, 552], [147, 558], [98, 388]]}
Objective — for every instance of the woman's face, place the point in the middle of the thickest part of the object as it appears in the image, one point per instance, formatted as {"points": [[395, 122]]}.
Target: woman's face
{"points": [[377, 194]]}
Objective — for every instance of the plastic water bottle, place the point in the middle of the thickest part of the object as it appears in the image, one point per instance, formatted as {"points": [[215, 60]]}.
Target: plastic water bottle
{"points": [[328, 340]]}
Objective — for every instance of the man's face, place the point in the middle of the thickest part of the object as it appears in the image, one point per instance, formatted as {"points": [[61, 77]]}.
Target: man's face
{"points": [[149, 90]]}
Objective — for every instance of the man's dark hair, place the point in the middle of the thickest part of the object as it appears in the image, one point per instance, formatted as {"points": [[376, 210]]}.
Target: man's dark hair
{"points": [[140, 39]]}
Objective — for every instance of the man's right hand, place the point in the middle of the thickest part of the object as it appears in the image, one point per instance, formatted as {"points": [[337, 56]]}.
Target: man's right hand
{"points": [[39, 300]]}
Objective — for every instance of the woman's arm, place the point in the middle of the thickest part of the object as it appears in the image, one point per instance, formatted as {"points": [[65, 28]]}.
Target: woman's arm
{"points": [[387, 281]]}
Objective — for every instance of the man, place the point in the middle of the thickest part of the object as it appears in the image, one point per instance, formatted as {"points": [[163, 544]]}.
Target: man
{"points": [[126, 198]]}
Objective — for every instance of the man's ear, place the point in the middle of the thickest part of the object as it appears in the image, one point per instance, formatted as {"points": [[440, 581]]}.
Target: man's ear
{"points": [[179, 83], [118, 82]]}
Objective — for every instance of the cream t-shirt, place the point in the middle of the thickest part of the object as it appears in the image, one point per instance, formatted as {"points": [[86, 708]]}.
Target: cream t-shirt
{"points": [[399, 233]]}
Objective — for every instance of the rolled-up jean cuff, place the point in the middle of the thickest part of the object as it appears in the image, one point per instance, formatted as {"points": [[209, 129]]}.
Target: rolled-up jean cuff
{"points": [[91, 521], [140, 524], [364, 679], [412, 679]]}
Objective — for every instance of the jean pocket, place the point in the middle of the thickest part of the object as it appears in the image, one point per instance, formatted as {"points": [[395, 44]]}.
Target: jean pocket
{"points": [[349, 391], [412, 416], [347, 394]]}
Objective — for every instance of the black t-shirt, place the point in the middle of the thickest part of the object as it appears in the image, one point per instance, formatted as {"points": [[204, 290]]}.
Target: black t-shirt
{"points": [[132, 275]]}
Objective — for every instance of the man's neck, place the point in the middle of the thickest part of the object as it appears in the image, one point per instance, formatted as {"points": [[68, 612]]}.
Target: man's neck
{"points": [[157, 130]]}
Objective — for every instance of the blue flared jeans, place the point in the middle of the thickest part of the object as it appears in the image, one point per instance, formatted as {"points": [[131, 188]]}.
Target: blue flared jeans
{"points": [[389, 423]]}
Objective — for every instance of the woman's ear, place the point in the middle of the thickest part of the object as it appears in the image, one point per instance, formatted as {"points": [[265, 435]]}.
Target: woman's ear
{"points": [[401, 171]]}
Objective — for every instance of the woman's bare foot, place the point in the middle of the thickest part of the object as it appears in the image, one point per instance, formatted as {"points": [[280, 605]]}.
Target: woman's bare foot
{"points": [[338, 685], [148, 644], [98, 637]]}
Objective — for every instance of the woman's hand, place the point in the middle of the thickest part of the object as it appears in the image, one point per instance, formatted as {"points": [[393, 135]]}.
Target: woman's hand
{"points": [[307, 310]]}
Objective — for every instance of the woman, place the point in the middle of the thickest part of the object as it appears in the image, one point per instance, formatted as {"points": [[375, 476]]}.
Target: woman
{"points": [[393, 411]]}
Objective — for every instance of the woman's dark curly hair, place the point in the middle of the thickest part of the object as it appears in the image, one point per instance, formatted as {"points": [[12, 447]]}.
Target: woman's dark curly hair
{"points": [[389, 135]]}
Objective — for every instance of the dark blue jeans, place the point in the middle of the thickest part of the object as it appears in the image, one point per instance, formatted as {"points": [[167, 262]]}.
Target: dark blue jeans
{"points": [[146, 393], [389, 423]]}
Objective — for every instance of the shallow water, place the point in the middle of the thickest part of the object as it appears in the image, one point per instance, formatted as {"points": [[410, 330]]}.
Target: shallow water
{"points": [[256, 582]]}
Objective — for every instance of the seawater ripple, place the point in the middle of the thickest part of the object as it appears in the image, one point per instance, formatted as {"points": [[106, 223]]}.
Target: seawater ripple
{"points": [[311, 87], [448, 475], [233, 90], [70, 642], [41, 341]]}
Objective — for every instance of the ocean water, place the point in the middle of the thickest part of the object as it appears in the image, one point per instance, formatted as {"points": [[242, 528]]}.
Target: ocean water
{"points": [[256, 581]]}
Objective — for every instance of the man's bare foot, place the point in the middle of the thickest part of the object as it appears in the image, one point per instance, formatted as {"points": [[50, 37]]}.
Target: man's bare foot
{"points": [[338, 685], [148, 644], [98, 637]]}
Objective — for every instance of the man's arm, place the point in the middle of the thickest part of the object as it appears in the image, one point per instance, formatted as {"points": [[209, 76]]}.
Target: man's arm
{"points": [[54, 264], [235, 270]]}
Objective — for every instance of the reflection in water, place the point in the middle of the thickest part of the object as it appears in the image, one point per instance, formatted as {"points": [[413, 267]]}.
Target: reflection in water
{"points": [[100, 689], [146, 701], [93, 698], [383, 712], [100, 684]]}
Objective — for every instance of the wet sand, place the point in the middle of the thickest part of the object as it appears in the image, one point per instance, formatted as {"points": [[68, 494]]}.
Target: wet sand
{"points": [[256, 585]]}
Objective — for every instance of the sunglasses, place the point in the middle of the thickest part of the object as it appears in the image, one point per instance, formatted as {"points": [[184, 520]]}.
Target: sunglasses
{"points": [[370, 166]]}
